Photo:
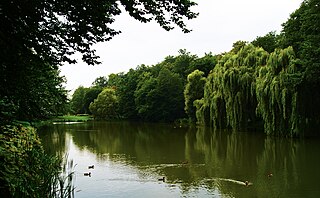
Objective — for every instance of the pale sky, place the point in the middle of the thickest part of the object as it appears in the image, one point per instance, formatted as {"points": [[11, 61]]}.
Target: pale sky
{"points": [[218, 26]]}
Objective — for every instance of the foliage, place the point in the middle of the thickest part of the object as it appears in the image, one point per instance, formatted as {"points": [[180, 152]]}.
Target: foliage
{"points": [[90, 95], [82, 98], [181, 64], [7, 111], [101, 82], [72, 118], [105, 106], [281, 89], [34, 88], [41, 35], [269, 42], [236, 46], [254, 85], [204, 64], [229, 93], [153, 93], [26, 171], [159, 98], [276, 88], [125, 91], [78, 100], [57, 29], [193, 91], [302, 32]]}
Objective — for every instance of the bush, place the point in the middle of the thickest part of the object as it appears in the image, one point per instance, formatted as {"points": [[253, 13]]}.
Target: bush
{"points": [[25, 170]]}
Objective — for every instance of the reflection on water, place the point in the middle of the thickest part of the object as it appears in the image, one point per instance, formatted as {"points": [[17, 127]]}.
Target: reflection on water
{"points": [[129, 159]]}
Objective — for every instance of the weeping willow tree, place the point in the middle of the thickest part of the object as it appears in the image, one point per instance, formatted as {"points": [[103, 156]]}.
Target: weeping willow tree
{"points": [[277, 93], [229, 95], [252, 86]]}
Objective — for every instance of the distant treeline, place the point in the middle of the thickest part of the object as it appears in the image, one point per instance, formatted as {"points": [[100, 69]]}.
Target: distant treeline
{"points": [[272, 82]]}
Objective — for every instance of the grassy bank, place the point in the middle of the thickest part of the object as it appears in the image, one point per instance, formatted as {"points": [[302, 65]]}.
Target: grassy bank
{"points": [[65, 118], [72, 118], [25, 169]]}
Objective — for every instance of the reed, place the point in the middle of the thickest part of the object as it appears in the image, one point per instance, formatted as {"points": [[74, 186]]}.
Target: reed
{"points": [[27, 171]]}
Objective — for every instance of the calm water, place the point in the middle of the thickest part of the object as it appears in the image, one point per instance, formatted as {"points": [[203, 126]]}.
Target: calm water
{"points": [[129, 159]]}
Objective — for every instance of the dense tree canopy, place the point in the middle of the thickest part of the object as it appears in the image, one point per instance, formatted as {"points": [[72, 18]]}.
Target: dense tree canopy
{"points": [[269, 42], [38, 36], [302, 32], [105, 106], [271, 83], [193, 91], [56, 29], [155, 93]]}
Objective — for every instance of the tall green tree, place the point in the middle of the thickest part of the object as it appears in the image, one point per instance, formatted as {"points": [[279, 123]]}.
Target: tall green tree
{"points": [[170, 89], [160, 98], [236, 46], [78, 100], [41, 35], [204, 64], [181, 64], [56, 29], [100, 82], [192, 92], [302, 32], [90, 95], [105, 106], [146, 97], [269, 42], [126, 93]]}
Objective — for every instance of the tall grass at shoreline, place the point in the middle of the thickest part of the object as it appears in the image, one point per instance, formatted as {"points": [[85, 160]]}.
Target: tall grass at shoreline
{"points": [[27, 171]]}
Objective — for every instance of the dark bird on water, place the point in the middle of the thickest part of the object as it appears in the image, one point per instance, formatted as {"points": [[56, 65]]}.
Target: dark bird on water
{"points": [[185, 162], [87, 174], [247, 183], [91, 167], [162, 179]]}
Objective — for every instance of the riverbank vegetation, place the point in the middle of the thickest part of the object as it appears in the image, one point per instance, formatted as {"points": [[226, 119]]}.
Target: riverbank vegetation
{"points": [[40, 36], [271, 83], [26, 170]]}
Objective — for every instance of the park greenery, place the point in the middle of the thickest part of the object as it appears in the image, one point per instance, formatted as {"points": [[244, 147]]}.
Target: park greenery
{"points": [[270, 84], [35, 39]]}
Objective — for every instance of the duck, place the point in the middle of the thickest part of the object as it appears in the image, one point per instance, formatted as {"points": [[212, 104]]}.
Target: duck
{"points": [[247, 183], [162, 179], [270, 175], [87, 174], [91, 167], [185, 162]]}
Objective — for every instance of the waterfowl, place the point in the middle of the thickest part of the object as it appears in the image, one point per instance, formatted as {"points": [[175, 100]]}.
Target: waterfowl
{"points": [[185, 162], [91, 167], [87, 174], [162, 179], [247, 183], [270, 175]]}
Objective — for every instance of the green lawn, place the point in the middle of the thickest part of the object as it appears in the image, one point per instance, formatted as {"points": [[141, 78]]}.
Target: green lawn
{"points": [[72, 118]]}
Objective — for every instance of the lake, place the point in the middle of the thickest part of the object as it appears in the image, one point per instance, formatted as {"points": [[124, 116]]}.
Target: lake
{"points": [[130, 158]]}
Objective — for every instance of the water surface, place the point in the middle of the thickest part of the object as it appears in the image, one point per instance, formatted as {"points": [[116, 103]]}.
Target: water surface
{"points": [[130, 158]]}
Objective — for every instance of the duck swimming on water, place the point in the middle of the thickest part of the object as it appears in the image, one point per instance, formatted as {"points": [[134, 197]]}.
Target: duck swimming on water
{"points": [[91, 167], [247, 183], [87, 174], [162, 179]]}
